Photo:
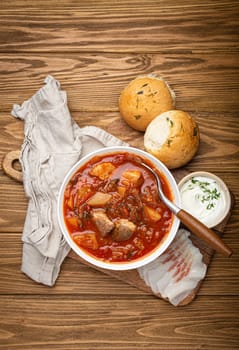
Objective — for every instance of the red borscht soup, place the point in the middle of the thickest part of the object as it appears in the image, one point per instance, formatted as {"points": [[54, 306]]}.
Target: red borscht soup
{"points": [[112, 209]]}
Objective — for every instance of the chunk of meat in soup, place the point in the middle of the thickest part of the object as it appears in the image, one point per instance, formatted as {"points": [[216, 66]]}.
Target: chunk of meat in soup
{"points": [[103, 223], [123, 230]]}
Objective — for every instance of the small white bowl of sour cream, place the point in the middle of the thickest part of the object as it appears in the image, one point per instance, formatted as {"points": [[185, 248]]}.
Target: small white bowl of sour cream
{"points": [[206, 197]]}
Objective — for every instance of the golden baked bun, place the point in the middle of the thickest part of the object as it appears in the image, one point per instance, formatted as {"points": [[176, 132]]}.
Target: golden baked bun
{"points": [[144, 99], [173, 138]]}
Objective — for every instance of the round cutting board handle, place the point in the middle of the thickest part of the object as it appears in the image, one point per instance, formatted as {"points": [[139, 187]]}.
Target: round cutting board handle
{"points": [[8, 168]]}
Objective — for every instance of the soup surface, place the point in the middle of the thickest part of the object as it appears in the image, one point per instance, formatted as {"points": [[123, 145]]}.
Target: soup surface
{"points": [[112, 209]]}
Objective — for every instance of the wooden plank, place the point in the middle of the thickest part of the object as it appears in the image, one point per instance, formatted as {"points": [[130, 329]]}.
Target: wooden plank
{"points": [[118, 27], [67, 322], [114, 6], [222, 275], [219, 137], [203, 82]]}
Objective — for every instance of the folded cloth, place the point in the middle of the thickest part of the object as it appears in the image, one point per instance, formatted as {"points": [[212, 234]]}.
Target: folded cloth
{"points": [[53, 143]]}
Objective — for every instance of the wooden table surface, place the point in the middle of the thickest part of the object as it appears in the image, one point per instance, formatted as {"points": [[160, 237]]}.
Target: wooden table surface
{"points": [[94, 48]]}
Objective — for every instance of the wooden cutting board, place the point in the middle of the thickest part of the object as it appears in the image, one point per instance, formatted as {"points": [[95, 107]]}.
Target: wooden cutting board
{"points": [[132, 277]]}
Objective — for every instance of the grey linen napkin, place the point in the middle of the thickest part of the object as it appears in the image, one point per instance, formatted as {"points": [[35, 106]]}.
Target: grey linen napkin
{"points": [[53, 143]]}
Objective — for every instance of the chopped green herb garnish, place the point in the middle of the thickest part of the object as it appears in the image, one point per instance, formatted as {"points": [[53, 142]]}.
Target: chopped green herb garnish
{"points": [[169, 141], [152, 94], [170, 121], [201, 183], [209, 195], [137, 102], [210, 206]]}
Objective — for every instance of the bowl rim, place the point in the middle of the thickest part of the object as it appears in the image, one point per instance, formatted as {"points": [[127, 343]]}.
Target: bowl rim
{"points": [[120, 266], [222, 185]]}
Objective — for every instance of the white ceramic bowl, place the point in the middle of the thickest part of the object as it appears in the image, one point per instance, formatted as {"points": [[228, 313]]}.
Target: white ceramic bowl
{"points": [[215, 218], [163, 245]]}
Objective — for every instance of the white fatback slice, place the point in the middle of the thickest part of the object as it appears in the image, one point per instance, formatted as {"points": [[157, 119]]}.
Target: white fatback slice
{"points": [[176, 273]]}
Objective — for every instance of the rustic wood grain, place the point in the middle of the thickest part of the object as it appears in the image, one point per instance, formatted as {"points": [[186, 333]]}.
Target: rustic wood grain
{"points": [[95, 48], [202, 81], [127, 27], [219, 136], [66, 323]]}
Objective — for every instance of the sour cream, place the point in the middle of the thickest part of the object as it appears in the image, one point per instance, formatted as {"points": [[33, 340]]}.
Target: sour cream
{"points": [[206, 197]]}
